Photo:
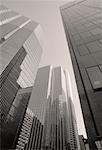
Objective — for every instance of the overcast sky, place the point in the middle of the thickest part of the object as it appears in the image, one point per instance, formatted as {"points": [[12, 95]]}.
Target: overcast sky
{"points": [[56, 52]]}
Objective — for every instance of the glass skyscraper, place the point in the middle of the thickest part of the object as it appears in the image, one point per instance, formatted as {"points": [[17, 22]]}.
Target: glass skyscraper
{"points": [[38, 104], [82, 20], [20, 53], [54, 125]]}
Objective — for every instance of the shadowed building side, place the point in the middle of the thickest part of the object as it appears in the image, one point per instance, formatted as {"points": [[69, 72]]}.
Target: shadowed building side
{"points": [[83, 29]]}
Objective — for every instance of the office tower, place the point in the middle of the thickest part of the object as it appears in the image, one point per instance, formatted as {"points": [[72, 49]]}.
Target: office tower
{"points": [[60, 129], [25, 130], [21, 44], [54, 125], [35, 138], [82, 20], [13, 122], [38, 104]]}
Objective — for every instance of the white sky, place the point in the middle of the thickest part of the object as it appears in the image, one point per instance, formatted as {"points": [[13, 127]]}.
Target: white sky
{"points": [[56, 52]]}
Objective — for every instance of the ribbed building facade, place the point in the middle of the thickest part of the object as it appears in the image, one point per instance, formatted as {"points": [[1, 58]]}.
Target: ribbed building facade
{"points": [[82, 20], [20, 53], [35, 138], [25, 130], [54, 124]]}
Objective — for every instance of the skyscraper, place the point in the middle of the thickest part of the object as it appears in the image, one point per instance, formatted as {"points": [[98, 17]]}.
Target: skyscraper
{"points": [[25, 130], [38, 104], [20, 51], [54, 125], [82, 22]]}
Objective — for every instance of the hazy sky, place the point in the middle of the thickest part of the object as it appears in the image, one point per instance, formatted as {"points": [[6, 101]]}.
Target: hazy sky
{"points": [[55, 52]]}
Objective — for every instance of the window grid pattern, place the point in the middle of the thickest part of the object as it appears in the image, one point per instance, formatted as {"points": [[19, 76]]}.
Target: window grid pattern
{"points": [[83, 27], [25, 130]]}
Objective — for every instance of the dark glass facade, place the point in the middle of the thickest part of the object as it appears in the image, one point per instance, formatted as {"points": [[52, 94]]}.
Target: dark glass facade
{"points": [[82, 22], [12, 124], [20, 53], [9, 86]]}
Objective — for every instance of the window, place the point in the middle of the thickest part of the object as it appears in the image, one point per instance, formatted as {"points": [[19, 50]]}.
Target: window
{"points": [[95, 76], [94, 46], [83, 50]]}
